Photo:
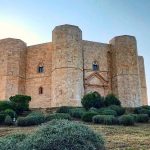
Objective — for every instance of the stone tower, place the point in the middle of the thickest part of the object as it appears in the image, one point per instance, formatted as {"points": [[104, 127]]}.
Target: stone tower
{"points": [[13, 67], [67, 66], [142, 81], [125, 70]]}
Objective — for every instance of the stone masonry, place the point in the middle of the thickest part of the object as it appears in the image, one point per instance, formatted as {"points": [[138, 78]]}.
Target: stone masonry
{"points": [[60, 72]]}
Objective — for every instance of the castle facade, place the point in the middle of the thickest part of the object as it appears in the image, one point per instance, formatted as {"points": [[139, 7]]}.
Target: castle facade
{"points": [[62, 71]]}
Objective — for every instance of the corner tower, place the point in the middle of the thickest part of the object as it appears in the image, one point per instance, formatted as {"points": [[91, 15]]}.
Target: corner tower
{"points": [[67, 66], [12, 70], [125, 72]]}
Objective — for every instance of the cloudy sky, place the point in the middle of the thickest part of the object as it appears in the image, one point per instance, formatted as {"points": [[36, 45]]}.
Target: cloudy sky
{"points": [[100, 20]]}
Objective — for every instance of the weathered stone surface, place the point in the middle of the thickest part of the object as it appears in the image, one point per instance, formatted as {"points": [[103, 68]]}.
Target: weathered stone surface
{"points": [[142, 80], [125, 73], [68, 72]]}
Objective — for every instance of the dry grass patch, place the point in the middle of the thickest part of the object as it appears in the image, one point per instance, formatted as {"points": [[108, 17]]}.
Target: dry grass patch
{"points": [[125, 138]]}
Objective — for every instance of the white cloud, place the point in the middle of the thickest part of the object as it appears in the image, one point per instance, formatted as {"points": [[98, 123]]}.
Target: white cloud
{"points": [[15, 30]]}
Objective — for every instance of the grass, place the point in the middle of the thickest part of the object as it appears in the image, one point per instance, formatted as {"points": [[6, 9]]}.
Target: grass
{"points": [[116, 137], [125, 138]]}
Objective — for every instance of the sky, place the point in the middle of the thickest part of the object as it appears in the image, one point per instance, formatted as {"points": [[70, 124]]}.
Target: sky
{"points": [[100, 20]]}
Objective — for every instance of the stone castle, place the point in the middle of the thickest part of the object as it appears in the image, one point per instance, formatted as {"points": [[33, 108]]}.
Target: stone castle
{"points": [[62, 71]]}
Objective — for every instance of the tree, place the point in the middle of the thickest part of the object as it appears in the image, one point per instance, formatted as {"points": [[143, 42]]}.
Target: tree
{"points": [[92, 99], [20, 103]]}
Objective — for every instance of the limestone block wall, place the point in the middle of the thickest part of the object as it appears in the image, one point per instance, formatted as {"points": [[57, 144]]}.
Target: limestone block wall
{"points": [[142, 80], [125, 73], [67, 66], [3, 70], [67, 69], [13, 71], [96, 80], [39, 55]]}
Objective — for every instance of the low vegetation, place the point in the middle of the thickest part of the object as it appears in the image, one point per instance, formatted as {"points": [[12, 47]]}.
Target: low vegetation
{"points": [[58, 135], [96, 111], [50, 117]]}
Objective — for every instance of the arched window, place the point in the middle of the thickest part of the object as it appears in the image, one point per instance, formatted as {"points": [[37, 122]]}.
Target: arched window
{"points": [[95, 66], [40, 69], [40, 90]]}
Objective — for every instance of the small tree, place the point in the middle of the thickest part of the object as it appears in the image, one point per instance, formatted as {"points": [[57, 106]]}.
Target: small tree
{"points": [[92, 99], [20, 103], [111, 99]]}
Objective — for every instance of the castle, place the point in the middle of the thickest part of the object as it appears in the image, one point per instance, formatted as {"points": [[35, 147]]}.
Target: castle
{"points": [[62, 71]]}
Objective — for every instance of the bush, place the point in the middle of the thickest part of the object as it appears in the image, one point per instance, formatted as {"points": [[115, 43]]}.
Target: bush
{"points": [[87, 117], [111, 99], [107, 111], [105, 119], [63, 135], [20, 103], [8, 120], [34, 118], [120, 111], [137, 109], [143, 118], [64, 109], [134, 117], [92, 109], [126, 120], [57, 116], [11, 142], [5, 105], [10, 112], [92, 99], [2, 118], [140, 110], [77, 112], [146, 107]]}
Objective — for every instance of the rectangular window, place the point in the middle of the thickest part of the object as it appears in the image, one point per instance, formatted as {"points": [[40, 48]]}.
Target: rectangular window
{"points": [[40, 69]]}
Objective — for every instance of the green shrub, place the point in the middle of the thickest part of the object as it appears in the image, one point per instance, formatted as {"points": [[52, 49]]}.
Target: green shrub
{"points": [[92, 99], [143, 118], [63, 135], [2, 118], [140, 110], [110, 120], [39, 115], [5, 105], [34, 118], [92, 109], [11, 142], [8, 120], [57, 116], [105, 119], [10, 112], [77, 112], [108, 112], [64, 109], [126, 120], [20, 103], [99, 119], [134, 116], [146, 107], [120, 111], [87, 117], [137, 109], [111, 99], [101, 110]]}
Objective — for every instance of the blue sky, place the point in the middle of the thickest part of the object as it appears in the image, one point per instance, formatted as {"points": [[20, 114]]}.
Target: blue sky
{"points": [[100, 20]]}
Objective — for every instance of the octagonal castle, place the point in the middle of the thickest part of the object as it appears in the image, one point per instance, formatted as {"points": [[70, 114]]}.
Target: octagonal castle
{"points": [[60, 72]]}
